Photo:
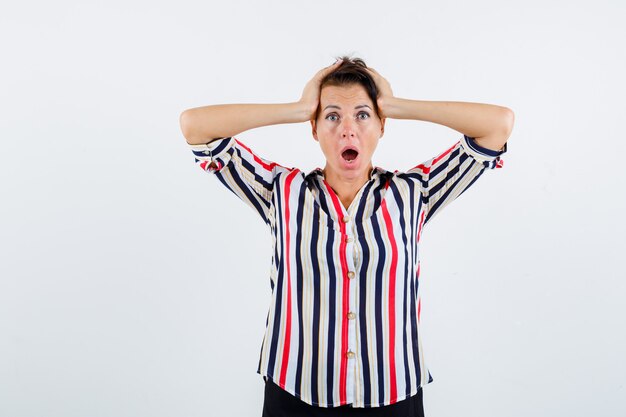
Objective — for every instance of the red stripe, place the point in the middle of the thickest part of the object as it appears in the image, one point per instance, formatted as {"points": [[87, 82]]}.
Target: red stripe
{"points": [[419, 234], [419, 229], [343, 374], [215, 165], [283, 368], [393, 395], [419, 301], [423, 167], [426, 169], [419, 308], [258, 160]]}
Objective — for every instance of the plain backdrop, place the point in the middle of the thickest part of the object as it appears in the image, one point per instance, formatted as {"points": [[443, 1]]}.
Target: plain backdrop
{"points": [[132, 283]]}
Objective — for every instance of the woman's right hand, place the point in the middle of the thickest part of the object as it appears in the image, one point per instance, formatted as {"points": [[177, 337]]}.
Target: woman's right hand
{"points": [[311, 94]]}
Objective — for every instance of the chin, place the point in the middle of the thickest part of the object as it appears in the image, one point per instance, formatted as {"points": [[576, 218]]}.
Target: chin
{"points": [[356, 166]]}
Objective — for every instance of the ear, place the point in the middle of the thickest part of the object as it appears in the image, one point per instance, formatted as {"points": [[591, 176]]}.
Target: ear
{"points": [[382, 126], [314, 129]]}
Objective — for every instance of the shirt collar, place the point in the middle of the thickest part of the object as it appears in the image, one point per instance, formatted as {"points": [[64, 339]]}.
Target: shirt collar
{"points": [[375, 172]]}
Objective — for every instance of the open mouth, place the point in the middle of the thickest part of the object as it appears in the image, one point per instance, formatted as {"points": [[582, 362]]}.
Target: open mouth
{"points": [[349, 155]]}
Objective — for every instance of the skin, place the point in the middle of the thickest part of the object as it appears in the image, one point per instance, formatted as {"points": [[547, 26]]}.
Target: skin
{"points": [[489, 124], [347, 123]]}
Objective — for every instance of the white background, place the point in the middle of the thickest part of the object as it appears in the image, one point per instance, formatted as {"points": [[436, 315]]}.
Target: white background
{"points": [[134, 284]]}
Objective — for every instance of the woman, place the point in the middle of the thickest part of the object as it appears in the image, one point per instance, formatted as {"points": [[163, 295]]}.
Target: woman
{"points": [[342, 331]]}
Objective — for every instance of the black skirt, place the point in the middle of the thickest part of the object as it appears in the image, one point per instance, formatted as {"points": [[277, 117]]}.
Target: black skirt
{"points": [[280, 403]]}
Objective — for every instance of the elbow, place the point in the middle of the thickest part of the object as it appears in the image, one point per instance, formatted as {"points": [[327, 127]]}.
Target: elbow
{"points": [[508, 118], [185, 121], [190, 127]]}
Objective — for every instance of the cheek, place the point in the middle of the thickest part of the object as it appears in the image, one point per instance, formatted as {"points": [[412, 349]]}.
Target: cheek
{"points": [[326, 146], [328, 128], [372, 144]]}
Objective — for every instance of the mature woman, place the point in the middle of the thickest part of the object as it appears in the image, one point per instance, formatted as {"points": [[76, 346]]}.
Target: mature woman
{"points": [[342, 331]]}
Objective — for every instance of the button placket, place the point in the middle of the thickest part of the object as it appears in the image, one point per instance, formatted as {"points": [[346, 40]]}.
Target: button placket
{"points": [[351, 354], [352, 254]]}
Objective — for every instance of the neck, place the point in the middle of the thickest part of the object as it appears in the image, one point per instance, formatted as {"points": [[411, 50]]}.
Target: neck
{"points": [[346, 186]]}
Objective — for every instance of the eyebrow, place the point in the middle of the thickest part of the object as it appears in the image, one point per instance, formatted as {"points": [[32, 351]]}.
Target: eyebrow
{"points": [[337, 107]]}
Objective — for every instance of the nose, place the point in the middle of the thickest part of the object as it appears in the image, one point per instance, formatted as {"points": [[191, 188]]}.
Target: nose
{"points": [[347, 128]]}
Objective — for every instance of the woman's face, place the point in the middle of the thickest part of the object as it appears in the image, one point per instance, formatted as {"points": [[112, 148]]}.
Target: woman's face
{"points": [[347, 129]]}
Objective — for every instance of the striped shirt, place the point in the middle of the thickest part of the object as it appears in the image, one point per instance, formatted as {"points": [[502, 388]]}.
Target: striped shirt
{"points": [[343, 326]]}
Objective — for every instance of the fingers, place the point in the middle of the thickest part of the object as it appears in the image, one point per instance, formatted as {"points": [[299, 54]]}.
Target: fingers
{"points": [[373, 71], [330, 68], [377, 77], [337, 62]]}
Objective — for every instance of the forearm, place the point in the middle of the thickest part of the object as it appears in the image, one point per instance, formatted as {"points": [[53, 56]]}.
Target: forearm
{"points": [[472, 119], [203, 124]]}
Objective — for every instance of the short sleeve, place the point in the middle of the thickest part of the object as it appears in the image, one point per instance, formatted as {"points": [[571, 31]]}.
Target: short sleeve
{"points": [[445, 177], [243, 172]]}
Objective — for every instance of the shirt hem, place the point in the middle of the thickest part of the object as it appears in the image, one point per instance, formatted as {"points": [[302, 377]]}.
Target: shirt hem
{"points": [[316, 404]]}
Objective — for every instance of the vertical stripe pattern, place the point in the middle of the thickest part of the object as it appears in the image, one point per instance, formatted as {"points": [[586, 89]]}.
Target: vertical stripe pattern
{"points": [[343, 325]]}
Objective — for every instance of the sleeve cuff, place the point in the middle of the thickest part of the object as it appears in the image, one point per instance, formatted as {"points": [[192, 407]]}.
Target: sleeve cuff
{"points": [[215, 155], [480, 153]]}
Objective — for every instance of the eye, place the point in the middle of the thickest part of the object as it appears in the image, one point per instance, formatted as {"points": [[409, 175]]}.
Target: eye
{"points": [[363, 115], [330, 116]]}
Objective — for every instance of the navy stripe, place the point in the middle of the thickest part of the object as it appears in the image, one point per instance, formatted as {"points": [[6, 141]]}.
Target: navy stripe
{"points": [[258, 179], [300, 284], [482, 150], [434, 173], [330, 338], [398, 198], [472, 181], [450, 173], [218, 149], [316, 306], [450, 189], [248, 196], [317, 269], [279, 287], [414, 284], [378, 308], [324, 204], [363, 278]]}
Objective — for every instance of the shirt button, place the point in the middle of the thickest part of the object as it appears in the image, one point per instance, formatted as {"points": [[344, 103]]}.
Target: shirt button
{"points": [[351, 315], [346, 219], [348, 239], [351, 274], [350, 354]]}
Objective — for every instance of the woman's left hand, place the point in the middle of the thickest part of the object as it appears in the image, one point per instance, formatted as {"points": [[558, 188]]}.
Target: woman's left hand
{"points": [[384, 92]]}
